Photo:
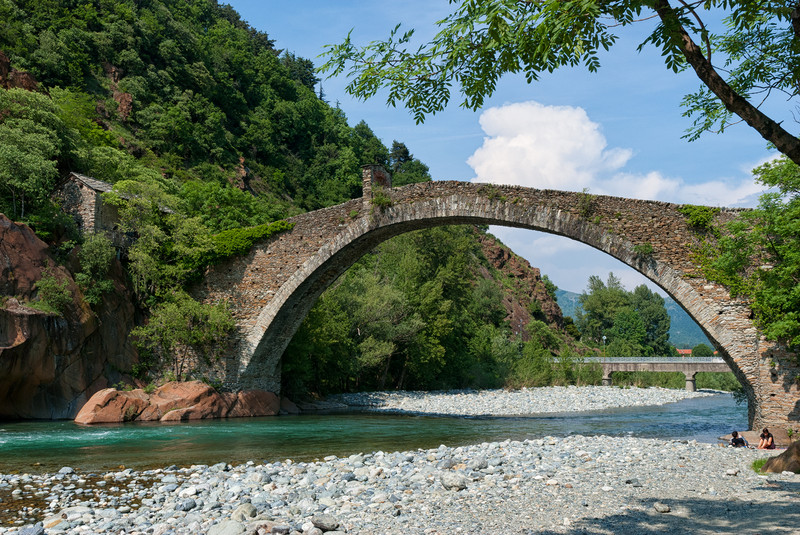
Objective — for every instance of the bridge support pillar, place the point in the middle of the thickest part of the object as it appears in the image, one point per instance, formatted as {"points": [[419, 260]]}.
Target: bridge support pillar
{"points": [[607, 378], [691, 385]]}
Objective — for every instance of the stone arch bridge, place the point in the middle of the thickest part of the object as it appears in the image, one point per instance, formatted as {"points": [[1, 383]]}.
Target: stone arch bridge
{"points": [[272, 289]]}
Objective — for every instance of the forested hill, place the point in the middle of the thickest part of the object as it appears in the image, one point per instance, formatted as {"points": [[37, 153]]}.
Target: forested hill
{"points": [[208, 131], [181, 95]]}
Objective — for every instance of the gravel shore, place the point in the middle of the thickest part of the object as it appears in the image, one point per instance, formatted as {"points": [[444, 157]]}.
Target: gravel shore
{"points": [[526, 401], [575, 484]]}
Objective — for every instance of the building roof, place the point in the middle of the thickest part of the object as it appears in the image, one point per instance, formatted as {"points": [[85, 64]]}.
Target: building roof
{"points": [[93, 183]]}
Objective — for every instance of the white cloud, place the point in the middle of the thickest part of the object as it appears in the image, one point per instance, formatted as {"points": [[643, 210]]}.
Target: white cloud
{"points": [[559, 147], [539, 146]]}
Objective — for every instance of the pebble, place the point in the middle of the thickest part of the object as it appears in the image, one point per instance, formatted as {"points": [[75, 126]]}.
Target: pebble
{"points": [[573, 484]]}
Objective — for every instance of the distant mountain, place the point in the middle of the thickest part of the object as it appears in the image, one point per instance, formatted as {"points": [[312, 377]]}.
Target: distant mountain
{"points": [[683, 331]]}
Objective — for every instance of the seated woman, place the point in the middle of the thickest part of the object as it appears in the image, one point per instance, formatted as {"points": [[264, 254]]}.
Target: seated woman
{"points": [[766, 440], [737, 441]]}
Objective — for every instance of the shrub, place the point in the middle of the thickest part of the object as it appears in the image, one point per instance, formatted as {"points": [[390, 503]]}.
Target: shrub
{"points": [[699, 217], [380, 198], [586, 204], [95, 257], [54, 295], [643, 249], [239, 241]]}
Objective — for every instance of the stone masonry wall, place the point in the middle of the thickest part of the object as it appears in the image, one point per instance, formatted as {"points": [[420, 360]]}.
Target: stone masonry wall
{"points": [[272, 289]]}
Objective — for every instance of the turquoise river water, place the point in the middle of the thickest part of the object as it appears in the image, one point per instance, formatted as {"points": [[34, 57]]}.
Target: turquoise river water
{"points": [[45, 446]]}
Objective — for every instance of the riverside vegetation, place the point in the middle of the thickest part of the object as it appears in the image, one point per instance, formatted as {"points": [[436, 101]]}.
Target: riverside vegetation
{"points": [[211, 135]]}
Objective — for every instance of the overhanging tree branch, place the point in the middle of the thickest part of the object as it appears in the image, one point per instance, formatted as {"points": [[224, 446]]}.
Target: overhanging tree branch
{"points": [[733, 101]]}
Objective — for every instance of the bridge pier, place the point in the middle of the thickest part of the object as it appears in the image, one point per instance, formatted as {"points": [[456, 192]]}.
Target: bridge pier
{"points": [[691, 385], [607, 378]]}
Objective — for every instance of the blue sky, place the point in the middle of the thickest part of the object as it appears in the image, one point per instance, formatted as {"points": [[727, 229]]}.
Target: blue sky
{"points": [[615, 132]]}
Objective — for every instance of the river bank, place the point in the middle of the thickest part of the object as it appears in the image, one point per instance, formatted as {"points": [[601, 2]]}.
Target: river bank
{"points": [[522, 402], [574, 484]]}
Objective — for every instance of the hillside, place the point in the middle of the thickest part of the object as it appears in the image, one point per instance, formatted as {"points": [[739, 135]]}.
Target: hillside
{"points": [[683, 331], [208, 132]]}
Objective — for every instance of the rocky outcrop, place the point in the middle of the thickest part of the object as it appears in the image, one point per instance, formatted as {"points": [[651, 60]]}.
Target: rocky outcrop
{"points": [[527, 296], [51, 364], [788, 461], [11, 77], [176, 402]]}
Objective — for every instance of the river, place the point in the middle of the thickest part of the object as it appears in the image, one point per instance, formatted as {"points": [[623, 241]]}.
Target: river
{"points": [[38, 446]]}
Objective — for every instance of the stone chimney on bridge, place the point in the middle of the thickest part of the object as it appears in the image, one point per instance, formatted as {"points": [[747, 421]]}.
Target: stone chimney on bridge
{"points": [[374, 176]]}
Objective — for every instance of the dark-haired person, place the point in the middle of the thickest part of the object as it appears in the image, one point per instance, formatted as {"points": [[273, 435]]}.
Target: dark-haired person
{"points": [[737, 441], [766, 440]]}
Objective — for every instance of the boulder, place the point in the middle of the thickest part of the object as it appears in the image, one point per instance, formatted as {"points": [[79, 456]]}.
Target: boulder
{"points": [[288, 406], [176, 402], [254, 403], [183, 395], [112, 405], [788, 461]]}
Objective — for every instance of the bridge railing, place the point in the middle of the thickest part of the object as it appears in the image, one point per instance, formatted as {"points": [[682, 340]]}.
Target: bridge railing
{"points": [[656, 360]]}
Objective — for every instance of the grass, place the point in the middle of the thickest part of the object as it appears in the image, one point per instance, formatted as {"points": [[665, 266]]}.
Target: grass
{"points": [[758, 464]]}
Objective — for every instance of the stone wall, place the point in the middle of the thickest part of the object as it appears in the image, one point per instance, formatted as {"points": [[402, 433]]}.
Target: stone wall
{"points": [[80, 196], [272, 289]]}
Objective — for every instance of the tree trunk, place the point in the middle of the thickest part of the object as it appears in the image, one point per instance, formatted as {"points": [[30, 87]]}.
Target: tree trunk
{"points": [[733, 101]]}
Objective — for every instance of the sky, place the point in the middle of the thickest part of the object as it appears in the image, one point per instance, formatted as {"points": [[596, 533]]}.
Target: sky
{"points": [[614, 132]]}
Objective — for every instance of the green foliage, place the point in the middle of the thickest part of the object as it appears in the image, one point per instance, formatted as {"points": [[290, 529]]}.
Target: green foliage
{"points": [[53, 293], [479, 42], [643, 249], [586, 204], [550, 287], [185, 334], [380, 198], [95, 256], [634, 324], [702, 350], [758, 464], [239, 241], [31, 140], [699, 217], [205, 132], [758, 255]]}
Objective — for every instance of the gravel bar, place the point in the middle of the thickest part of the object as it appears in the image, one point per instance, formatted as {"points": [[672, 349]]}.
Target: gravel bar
{"points": [[571, 485], [526, 401]]}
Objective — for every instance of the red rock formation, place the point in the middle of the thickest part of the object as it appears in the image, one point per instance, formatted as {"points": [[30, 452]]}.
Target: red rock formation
{"points": [[11, 77], [527, 286], [50, 365], [175, 402]]}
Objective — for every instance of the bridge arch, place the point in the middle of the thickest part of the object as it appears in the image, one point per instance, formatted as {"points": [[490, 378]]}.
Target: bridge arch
{"points": [[272, 289]]}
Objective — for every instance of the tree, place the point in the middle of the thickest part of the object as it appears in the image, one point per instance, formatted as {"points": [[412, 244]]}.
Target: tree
{"points": [[182, 332], [30, 145], [634, 323], [481, 41], [95, 255], [758, 256], [655, 318], [702, 350], [598, 306]]}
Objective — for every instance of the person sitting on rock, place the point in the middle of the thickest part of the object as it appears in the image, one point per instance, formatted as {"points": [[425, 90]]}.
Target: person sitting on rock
{"points": [[766, 440], [737, 441]]}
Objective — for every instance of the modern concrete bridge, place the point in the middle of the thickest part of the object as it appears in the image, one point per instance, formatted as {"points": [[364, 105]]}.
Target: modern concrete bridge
{"points": [[272, 289], [688, 366]]}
